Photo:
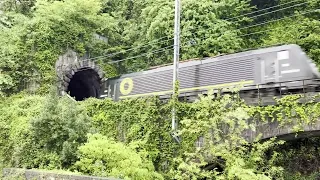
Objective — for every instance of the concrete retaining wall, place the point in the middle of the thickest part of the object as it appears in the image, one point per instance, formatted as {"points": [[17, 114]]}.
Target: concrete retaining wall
{"points": [[24, 174]]}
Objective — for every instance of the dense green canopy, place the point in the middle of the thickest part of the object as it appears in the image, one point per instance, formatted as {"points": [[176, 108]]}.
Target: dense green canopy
{"points": [[132, 138], [34, 33]]}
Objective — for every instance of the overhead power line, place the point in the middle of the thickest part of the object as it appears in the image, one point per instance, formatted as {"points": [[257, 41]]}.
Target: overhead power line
{"points": [[303, 13], [165, 48], [156, 41], [266, 22], [120, 52], [255, 17], [141, 55], [296, 5], [263, 9], [268, 30]]}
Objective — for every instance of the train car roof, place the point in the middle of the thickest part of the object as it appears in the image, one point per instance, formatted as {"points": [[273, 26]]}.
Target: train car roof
{"points": [[193, 62]]}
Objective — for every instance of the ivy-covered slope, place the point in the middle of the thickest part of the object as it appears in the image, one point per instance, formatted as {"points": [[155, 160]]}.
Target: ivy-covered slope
{"points": [[58, 133], [132, 138]]}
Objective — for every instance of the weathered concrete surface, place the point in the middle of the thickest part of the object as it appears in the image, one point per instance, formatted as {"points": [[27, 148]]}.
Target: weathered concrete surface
{"points": [[285, 132], [16, 173], [69, 64], [272, 129]]}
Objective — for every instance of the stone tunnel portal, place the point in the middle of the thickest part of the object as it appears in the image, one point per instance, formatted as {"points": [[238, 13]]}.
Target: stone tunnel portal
{"points": [[84, 84]]}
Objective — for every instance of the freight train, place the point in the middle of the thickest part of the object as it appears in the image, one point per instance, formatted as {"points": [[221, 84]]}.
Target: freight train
{"points": [[275, 70]]}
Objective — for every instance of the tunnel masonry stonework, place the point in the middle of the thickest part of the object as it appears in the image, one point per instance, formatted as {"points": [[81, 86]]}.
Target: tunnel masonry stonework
{"points": [[78, 76]]}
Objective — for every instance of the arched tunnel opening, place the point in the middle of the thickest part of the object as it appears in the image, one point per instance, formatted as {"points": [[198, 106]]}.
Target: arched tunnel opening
{"points": [[84, 84]]}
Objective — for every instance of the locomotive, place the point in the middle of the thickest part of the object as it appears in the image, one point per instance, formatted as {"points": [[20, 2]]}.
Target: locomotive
{"points": [[261, 72]]}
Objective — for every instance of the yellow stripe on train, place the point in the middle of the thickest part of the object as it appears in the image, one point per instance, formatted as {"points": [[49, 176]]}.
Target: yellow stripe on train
{"points": [[190, 89]]}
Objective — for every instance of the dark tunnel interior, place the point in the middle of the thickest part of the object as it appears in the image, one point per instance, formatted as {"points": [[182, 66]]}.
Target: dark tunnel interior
{"points": [[84, 84]]}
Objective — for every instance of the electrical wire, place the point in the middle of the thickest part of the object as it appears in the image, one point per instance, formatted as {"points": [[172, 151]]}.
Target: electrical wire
{"points": [[262, 10], [266, 22], [144, 54], [306, 12], [158, 40], [259, 32], [252, 34], [113, 54], [253, 17], [226, 31], [296, 5], [162, 49], [165, 48]]}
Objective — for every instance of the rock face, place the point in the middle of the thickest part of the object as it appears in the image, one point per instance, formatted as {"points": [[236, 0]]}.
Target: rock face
{"points": [[78, 76]]}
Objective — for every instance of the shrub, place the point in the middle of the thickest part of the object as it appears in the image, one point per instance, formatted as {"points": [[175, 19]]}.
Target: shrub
{"points": [[16, 140], [61, 128], [102, 156], [41, 132]]}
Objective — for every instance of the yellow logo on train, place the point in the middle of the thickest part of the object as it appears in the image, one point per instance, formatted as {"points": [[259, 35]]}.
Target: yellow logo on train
{"points": [[126, 90]]}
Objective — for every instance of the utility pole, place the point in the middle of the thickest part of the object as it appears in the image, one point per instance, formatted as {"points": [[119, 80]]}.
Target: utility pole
{"points": [[176, 54]]}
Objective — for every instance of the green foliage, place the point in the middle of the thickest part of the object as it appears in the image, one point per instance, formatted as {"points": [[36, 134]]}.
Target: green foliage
{"points": [[60, 129], [40, 132], [216, 36], [101, 156], [50, 133], [34, 44], [16, 137], [5, 81], [12, 66], [300, 158], [225, 118], [146, 121], [290, 111], [220, 124], [46, 132], [22, 6]]}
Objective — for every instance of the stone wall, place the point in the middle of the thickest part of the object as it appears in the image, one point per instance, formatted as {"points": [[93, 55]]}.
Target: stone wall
{"points": [[23, 174], [284, 132], [70, 63]]}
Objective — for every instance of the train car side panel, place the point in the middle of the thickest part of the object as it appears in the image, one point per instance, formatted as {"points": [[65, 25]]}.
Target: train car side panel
{"points": [[269, 65]]}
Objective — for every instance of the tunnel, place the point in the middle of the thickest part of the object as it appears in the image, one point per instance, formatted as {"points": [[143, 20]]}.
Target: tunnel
{"points": [[84, 84]]}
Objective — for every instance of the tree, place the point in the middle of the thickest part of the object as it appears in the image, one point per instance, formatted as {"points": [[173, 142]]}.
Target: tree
{"points": [[18, 6], [201, 23], [60, 128]]}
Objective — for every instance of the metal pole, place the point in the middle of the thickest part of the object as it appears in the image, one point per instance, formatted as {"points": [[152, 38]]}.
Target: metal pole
{"points": [[176, 53]]}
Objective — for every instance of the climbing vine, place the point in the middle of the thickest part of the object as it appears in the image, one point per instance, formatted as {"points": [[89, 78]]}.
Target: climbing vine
{"points": [[210, 131], [219, 120], [298, 110]]}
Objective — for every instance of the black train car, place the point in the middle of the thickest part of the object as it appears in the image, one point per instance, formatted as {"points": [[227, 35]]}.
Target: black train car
{"points": [[261, 68]]}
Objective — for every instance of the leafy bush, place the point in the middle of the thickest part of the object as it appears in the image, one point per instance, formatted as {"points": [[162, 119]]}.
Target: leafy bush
{"points": [[300, 158], [134, 137], [38, 132], [60, 128], [220, 124], [149, 120], [146, 120], [101, 156], [15, 131]]}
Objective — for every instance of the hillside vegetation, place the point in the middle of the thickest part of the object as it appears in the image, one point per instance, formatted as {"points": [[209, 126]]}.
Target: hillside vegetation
{"points": [[34, 33], [132, 138]]}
